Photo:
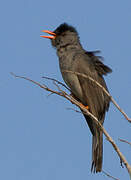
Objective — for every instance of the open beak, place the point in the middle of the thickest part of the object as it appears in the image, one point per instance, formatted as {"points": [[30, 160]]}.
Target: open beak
{"points": [[49, 32]]}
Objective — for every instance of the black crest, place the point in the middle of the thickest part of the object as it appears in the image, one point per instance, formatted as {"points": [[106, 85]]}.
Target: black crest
{"points": [[65, 27]]}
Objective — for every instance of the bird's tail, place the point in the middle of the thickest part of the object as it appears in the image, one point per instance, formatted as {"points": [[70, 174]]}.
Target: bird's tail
{"points": [[97, 151], [97, 145]]}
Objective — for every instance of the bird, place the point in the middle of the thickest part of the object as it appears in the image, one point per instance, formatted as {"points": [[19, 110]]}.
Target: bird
{"points": [[73, 57]]}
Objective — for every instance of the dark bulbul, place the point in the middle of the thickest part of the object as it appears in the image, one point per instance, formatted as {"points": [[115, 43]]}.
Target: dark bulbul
{"points": [[72, 57]]}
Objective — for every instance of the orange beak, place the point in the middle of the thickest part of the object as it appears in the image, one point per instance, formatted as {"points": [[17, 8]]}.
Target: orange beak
{"points": [[49, 32]]}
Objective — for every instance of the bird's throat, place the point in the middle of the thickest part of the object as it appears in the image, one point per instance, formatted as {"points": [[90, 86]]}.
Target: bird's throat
{"points": [[65, 50]]}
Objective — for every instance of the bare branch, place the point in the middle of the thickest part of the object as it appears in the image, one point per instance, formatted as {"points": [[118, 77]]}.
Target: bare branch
{"points": [[84, 109], [105, 91], [109, 175], [55, 80], [74, 110], [49, 94], [125, 141], [38, 84]]}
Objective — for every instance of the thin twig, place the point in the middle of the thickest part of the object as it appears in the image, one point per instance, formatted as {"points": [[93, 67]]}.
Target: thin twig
{"points": [[55, 80], [74, 101], [105, 91], [109, 175], [122, 140], [74, 110], [50, 94], [38, 84]]}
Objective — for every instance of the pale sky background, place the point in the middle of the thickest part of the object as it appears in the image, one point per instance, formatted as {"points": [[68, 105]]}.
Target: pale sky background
{"points": [[39, 138]]}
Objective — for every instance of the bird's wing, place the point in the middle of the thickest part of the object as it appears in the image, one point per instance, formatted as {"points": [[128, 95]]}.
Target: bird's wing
{"points": [[101, 68], [93, 96], [96, 99]]}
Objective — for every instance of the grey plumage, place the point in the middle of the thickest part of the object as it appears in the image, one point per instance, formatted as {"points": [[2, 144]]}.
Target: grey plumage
{"points": [[73, 57]]}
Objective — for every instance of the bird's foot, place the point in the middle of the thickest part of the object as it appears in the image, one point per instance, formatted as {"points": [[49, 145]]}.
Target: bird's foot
{"points": [[87, 107]]}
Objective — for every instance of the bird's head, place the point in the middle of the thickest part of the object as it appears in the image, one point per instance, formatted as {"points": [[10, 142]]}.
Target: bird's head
{"points": [[63, 35]]}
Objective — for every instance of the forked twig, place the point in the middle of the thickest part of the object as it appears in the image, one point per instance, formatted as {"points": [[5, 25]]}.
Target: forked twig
{"points": [[55, 80], [77, 103]]}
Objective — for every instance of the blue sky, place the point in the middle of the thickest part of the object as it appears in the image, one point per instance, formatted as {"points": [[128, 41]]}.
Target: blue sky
{"points": [[39, 138]]}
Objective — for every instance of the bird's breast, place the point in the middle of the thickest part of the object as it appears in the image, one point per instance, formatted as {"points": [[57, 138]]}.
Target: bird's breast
{"points": [[66, 63]]}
